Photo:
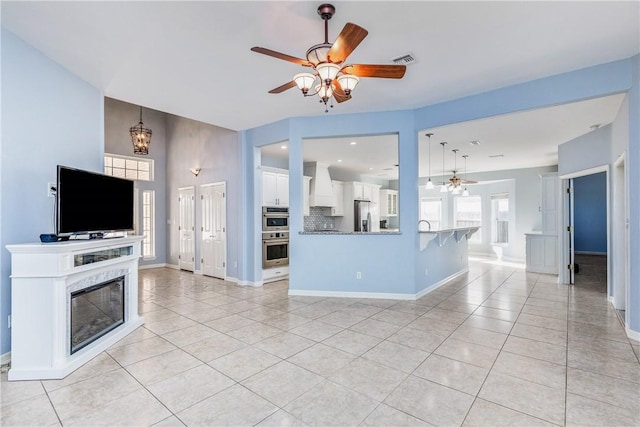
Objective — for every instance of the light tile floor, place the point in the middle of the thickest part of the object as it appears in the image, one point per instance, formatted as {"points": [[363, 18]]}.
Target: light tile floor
{"points": [[497, 346]]}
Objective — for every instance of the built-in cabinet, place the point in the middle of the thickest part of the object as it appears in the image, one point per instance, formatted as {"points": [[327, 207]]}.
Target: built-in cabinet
{"points": [[306, 188], [542, 247], [338, 193], [388, 203], [275, 189], [542, 253]]}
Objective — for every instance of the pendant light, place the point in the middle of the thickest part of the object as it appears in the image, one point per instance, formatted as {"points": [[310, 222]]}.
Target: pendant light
{"points": [[429, 185], [465, 193], [140, 137], [443, 187], [455, 189]]}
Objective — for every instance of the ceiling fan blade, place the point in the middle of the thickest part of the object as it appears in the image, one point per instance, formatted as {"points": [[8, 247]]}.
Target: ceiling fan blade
{"points": [[338, 92], [282, 56], [376, 70], [466, 181], [348, 39], [284, 87]]}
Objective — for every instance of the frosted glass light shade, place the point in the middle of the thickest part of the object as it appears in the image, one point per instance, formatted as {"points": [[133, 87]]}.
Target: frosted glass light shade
{"points": [[465, 193], [456, 190], [443, 188], [429, 185], [304, 81], [348, 82], [324, 92], [328, 71]]}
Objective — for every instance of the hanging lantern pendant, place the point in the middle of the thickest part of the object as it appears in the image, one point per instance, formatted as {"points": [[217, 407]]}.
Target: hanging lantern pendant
{"points": [[140, 137]]}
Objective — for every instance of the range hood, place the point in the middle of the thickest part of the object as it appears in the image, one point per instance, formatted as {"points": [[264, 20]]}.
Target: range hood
{"points": [[321, 187]]}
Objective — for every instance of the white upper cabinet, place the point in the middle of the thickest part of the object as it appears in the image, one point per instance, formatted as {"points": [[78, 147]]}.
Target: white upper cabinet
{"points": [[388, 203], [306, 188], [550, 190], [275, 189], [338, 193]]}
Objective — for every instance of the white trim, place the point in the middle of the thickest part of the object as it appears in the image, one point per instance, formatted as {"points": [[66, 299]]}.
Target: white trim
{"points": [[631, 334], [376, 295], [149, 266], [244, 282], [5, 358], [173, 266], [340, 294], [585, 172], [589, 253]]}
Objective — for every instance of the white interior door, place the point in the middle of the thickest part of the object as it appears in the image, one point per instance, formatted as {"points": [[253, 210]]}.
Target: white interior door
{"points": [[620, 233], [186, 228], [572, 269], [214, 230]]}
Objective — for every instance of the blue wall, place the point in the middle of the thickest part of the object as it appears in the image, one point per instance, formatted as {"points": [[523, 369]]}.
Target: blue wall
{"points": [[590, 213], [49, 117]]}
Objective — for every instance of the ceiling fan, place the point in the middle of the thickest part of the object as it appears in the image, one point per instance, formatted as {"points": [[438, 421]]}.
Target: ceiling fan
{"points": [[327, 60], [455, 183]]}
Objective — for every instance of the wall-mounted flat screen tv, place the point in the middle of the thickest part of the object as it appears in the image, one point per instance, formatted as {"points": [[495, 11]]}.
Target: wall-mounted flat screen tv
{"points": [[89, 202]]}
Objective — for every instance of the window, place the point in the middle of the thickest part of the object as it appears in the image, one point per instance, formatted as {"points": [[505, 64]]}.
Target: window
{"points": [[500, 218], [128, 167], [468, 213], [148, 224], [431, 210]]}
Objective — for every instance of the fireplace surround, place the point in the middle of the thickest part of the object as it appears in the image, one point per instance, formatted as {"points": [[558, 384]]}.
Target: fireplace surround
{"points": [[47, 280]]}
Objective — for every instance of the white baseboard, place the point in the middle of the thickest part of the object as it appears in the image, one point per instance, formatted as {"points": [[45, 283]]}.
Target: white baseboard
{"points": [[149, 266], [589, 253], [340, 294], [375, 295], [244, 282], [440, 283], [634, 335], [5, 358], [172, 266]]}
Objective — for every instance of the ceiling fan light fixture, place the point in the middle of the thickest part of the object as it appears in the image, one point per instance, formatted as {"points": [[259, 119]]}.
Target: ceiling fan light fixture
{"points": [[327, 71], [304, 81], [348, 82], [319, 53], [324, 92]]}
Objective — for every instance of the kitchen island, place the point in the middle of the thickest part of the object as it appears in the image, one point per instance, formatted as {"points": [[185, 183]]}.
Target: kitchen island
{"points": [[430, 259]]}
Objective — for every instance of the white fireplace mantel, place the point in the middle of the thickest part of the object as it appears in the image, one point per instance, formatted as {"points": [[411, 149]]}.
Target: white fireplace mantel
{"points": [[43, 275]]}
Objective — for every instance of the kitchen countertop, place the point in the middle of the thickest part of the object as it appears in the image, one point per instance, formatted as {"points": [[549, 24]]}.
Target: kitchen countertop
{"points": [[349, 232]]}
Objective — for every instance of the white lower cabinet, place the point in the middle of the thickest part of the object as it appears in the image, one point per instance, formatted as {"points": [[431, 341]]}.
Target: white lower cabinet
{"points": [[306, 189], [542, 253]]}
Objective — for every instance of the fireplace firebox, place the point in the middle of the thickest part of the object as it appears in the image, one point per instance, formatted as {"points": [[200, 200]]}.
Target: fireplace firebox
{"points": [[95, 311]]}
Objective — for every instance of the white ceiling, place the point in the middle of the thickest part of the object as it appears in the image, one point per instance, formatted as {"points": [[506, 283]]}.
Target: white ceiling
{"points": [[525, 139], [192, 58]]}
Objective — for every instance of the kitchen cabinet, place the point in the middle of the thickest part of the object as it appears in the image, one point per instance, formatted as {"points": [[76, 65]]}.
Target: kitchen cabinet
{"points": [[542, 253], [388, 203], [306, 188], [275, 189], [338, 193]]}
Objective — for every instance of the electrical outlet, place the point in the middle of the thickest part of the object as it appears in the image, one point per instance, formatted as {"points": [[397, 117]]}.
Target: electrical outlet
{"points": [[358, 275], [9, 321], [51, 189]]}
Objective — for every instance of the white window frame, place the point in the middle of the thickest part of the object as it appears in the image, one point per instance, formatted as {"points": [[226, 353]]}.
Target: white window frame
{"points": [[131, 168], [435, 224], [494, 220], [476, 237], [148, 224]]}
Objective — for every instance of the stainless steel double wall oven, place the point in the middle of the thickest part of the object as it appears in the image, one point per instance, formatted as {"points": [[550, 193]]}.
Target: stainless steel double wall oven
{"points": [[275, 236]]}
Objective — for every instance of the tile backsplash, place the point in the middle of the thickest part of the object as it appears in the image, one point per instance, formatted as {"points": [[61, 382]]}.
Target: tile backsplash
{"points": [[318, 221]]}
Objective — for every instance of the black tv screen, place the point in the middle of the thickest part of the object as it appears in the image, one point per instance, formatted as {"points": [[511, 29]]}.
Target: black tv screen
{"points": [[89, 202]]}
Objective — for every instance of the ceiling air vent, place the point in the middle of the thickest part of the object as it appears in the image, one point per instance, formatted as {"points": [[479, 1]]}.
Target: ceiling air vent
{"points": [[407, 59]]}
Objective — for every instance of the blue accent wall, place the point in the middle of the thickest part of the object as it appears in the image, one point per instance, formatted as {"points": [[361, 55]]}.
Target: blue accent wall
{"points": [[49, 117], [590, 213]]}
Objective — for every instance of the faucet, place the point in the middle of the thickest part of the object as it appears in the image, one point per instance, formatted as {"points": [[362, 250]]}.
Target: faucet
{"points": [[424, 220]]}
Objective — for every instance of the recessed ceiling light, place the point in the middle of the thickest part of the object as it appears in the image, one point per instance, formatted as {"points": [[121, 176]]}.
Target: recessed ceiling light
{"points": [[496, 156], [474, 142], [339, 160], [353, 143], [594, 127], [370, 169], [283, 147]]}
